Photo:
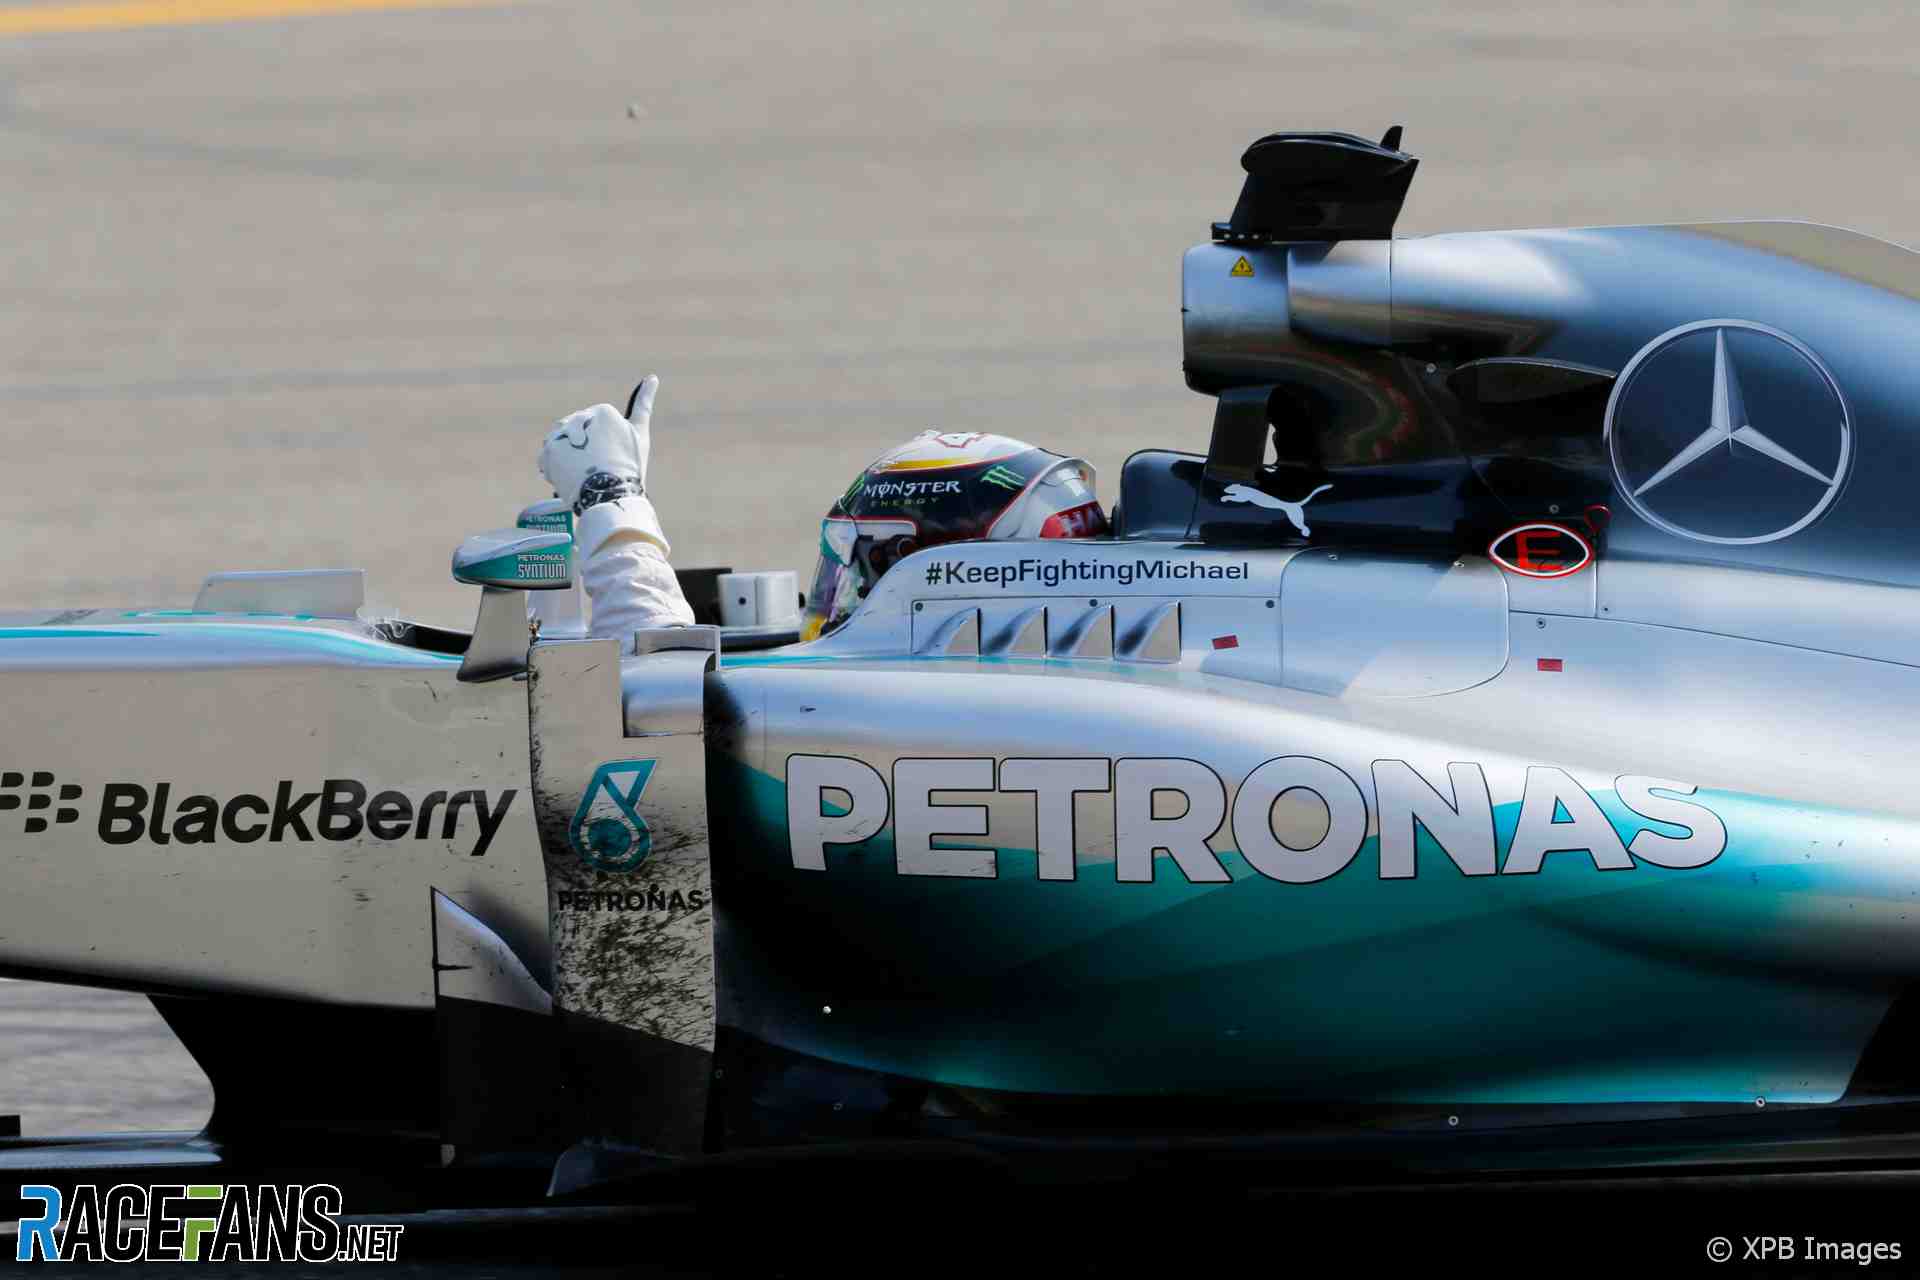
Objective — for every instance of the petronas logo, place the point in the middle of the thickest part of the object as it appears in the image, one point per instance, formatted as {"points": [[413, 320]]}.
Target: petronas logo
{"points": [[1005, 478], [607, 830]]}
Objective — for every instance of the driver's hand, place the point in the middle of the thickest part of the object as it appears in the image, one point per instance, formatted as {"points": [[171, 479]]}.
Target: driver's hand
{"points": [[597, 454]]}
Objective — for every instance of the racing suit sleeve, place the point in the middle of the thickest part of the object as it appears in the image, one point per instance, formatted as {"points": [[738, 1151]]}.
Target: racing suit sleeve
{"points": [[623, 563]]}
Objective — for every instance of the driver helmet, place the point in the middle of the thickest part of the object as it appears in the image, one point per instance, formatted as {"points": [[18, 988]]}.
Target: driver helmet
{"points": [[943, 486]]}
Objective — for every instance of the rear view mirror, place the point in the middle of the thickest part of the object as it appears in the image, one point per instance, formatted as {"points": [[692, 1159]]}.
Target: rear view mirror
{"points": [[502, 565], [515, 560]]}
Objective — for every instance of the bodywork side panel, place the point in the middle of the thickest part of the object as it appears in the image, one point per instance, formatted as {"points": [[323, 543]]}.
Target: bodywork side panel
{"points": [[1490, 974], [259, 809]]}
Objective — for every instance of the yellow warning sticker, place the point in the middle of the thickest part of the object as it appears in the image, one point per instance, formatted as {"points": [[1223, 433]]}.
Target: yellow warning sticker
{"points": [[1241, 267]]}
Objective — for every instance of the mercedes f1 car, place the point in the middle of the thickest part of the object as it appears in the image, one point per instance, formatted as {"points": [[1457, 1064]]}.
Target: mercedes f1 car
{"points": [[1494, 745]]}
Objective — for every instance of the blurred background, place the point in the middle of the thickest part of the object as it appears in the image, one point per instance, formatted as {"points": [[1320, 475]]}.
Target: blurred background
{"points": [[298, 283]]}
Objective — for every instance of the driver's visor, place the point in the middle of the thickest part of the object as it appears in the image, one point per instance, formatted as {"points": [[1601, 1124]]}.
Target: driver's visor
{"points": [[853, 556]]}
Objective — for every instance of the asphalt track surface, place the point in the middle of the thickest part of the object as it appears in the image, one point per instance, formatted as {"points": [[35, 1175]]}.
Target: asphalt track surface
{"points": [[300, 286]]}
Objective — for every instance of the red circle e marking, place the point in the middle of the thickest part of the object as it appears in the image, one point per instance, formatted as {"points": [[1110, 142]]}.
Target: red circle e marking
{"points": [[1538, 551]]}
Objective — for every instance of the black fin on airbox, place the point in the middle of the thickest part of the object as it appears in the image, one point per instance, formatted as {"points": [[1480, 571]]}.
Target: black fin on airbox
{"points": [[1319, 186]]}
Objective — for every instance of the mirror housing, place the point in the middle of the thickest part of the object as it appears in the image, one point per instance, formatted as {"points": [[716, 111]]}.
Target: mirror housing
{"points": [[549, 515], [503, 564], [563, 612], [515, 560]]}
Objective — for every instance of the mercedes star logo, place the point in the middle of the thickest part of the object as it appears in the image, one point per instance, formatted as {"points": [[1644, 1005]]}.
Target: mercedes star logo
{"points": [[1728, 482]]}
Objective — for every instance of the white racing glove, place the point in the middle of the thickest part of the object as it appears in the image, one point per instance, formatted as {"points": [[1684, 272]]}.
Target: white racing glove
{"points": [[598, 455], [596, 460]]}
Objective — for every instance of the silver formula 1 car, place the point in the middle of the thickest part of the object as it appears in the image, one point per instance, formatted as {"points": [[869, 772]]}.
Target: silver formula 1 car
{"points": [[1497, 742]]}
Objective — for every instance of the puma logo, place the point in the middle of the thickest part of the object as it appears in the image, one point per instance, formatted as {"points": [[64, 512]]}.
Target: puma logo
{"points": [[1295, 511]]}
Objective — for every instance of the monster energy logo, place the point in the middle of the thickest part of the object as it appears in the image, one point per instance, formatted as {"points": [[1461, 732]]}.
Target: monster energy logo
{"points": [[1005, 478]]}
